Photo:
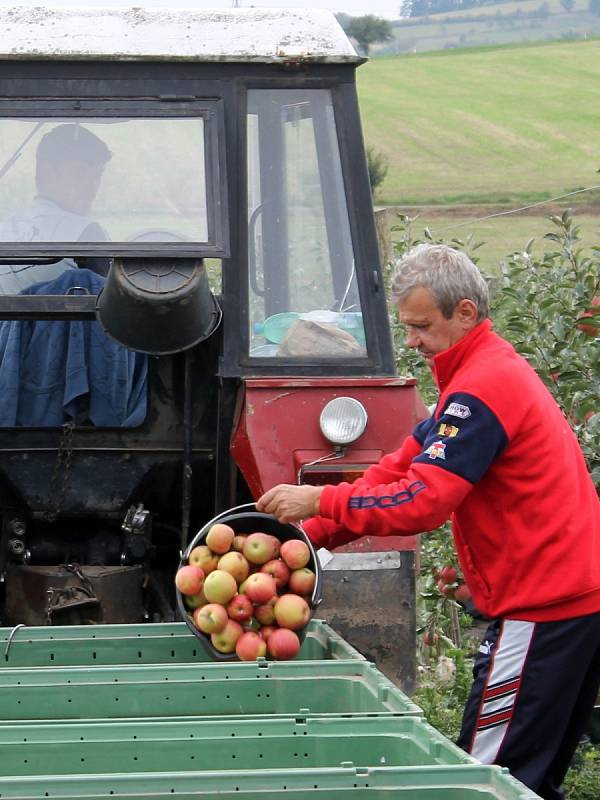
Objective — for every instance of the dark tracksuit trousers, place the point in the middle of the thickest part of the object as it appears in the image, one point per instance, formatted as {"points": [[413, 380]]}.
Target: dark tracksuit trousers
{"points": [[534, 689]]}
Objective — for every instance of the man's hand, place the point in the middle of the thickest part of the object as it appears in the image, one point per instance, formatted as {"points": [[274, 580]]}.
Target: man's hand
{"points": [[290, 503]]}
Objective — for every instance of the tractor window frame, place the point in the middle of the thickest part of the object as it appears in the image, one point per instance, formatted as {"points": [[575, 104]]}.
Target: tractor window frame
{"points": [[210, 110]]}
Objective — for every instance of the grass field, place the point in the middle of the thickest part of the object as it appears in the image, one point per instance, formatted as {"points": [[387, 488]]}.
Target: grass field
{"points": [[498, 125]]}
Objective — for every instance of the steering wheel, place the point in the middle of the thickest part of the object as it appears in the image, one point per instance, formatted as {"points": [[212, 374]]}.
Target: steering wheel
{"points": [[158, 235]]}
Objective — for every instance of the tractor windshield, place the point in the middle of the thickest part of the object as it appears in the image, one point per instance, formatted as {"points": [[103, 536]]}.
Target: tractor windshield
{"points": [[302, 286], [98, 185]]}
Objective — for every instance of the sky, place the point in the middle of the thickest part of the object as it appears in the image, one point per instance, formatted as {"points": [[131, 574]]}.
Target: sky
{"points": [[381, 8]]}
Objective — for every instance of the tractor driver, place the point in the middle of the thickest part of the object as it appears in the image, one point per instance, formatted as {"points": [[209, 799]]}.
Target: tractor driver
{"points": [[499, 458], [70, 161]]}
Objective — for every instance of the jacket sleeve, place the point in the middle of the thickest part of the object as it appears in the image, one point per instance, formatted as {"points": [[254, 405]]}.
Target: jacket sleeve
{"points": [[457, 450], [324, 532]]}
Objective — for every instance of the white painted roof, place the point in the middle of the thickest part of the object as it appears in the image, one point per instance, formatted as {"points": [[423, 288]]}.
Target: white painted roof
{"points": [[236, 34]]}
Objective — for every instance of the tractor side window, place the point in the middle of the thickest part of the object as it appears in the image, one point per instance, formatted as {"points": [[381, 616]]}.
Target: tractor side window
{"points": [[303, 297]]}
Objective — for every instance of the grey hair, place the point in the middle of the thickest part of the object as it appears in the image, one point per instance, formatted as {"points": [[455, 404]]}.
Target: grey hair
{"points": [[449, 274]]}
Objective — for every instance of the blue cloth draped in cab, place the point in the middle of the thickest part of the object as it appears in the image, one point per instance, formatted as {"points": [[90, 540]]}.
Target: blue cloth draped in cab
{"points": [[50, 370]]}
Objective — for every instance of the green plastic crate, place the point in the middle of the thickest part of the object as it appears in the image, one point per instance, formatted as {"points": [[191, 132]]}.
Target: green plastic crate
{"points": [[231, 689], [85, 645], [469, 782], [224, 745]]}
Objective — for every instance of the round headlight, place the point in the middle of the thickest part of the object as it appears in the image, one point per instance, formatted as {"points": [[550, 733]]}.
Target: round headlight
{"points": [[343, 420]]}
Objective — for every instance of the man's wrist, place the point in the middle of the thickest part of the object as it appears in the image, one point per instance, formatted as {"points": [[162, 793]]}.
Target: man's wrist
{"points": [[317, 501]]}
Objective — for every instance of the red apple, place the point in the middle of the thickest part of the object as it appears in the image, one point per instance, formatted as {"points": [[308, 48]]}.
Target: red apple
{"points": [[283, 644], [240, 608], [203, 557], [260, 587], [265, 613], [445, 589], [302, 581], [225, 641], [235, 564], [189, 579], [462, 592], [278, 571], [295, 553], [250, 646], [220, 587], [292, 611], [276, 546], [238, 542], [590, 330], [266, 631], [220, 538], [258, 548], [448, 574], [211, 618], [430, 638]]}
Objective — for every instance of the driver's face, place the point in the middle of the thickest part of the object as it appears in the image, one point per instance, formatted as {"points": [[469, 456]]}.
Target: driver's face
{"points": [[74, 184]]}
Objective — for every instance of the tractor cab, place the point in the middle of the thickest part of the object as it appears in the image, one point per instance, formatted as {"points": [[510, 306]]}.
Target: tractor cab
{"points": [[192, 307]]}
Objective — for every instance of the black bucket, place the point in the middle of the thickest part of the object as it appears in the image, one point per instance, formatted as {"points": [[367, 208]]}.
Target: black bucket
{"points": [[245, 519], [158, 306]]}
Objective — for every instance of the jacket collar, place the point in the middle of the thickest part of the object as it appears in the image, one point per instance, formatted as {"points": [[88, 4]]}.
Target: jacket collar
{"points": [[448, 361]]}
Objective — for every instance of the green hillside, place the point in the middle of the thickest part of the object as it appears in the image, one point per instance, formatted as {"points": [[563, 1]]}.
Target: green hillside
{"points": [[500, 23], [511, 124]]}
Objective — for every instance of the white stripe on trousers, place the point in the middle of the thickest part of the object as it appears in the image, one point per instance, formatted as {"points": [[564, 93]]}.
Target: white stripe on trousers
{"points": [[508, 660]]}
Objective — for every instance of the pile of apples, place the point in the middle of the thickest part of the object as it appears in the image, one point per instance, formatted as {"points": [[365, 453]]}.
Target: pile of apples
{"points": [[249, 592]]}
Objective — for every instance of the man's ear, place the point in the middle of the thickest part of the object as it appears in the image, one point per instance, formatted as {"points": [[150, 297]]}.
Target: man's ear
{"points": [[466, 312]]}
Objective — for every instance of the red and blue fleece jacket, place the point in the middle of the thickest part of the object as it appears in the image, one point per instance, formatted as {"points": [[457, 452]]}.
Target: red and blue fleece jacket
{"points": [[500, 460]]}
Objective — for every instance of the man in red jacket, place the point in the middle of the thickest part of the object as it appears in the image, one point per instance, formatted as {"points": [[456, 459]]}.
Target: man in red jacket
{"points": [[499, 459]]}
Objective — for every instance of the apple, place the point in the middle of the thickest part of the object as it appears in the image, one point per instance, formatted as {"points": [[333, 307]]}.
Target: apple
{"points": [[448, 574], [302, 581], [292, 611], [211, 618], [238, 542], [225, 641], [203, 557], [278, 570], [295, 553], [260, 587], [430, 638], [276, 545], [234, 563], [220, 587], [445, 589], [240, 608], [266, 631], [282, 644], [195, 600], [258, 548], [462, 593], [590, 330], [265, 613], [220, 538], [189, 579], [250, 646]]}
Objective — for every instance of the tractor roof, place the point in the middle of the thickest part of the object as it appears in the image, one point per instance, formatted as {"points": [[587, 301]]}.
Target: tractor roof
{"points": [[167, 34]]}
